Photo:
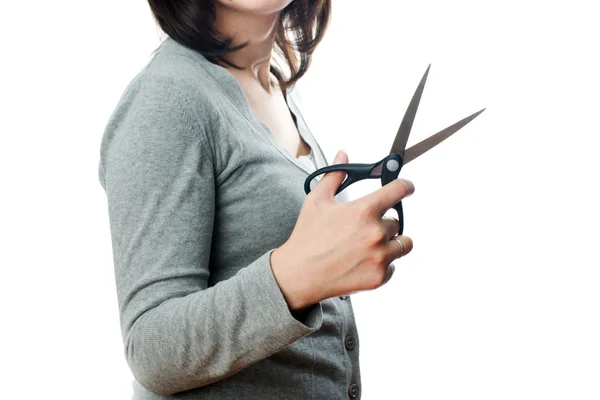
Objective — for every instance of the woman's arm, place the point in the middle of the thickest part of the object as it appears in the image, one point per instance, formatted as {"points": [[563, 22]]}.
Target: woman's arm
{"points": [[179, 334]]}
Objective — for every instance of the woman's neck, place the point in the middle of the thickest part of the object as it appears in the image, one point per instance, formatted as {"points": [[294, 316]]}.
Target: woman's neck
{"points": [[259, 31]]}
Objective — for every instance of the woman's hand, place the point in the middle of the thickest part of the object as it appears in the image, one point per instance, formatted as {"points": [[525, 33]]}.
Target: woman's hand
{"points": [[339, 248]]}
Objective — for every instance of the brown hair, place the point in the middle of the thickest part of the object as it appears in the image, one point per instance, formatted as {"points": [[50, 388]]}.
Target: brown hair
{"points": [[301, 28]]}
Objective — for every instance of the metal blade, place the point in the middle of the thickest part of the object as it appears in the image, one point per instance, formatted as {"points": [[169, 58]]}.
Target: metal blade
{"points": [[409, 116], [433, 140]]}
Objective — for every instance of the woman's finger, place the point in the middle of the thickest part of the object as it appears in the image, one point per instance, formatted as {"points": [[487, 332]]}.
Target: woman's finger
{"points": [[392, 226], [399, 246], [389, 272]]}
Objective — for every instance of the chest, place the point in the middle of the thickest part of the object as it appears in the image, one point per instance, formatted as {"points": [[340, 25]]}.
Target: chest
{"points": [[259, 190], [258, 200], [272, 110]]}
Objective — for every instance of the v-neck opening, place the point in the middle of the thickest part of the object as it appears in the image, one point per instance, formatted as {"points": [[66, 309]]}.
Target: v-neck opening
{"points": [[293, 109], [298, 126], [314, 145], [254, 122], [269, 133]]}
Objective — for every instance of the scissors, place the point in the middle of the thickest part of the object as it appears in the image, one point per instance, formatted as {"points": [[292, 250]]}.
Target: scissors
{"points": [[389, 167]]}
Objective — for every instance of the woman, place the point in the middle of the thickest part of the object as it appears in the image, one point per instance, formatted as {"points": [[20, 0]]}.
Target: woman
{"points": [[232, 283]]}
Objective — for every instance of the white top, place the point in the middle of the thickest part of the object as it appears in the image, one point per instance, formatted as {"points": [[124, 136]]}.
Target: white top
{"points": [[308, 160]]}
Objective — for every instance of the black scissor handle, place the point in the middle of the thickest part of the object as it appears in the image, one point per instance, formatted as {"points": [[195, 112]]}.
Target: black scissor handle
{"points": [[355, 172], [390, 170], [387, 169]]}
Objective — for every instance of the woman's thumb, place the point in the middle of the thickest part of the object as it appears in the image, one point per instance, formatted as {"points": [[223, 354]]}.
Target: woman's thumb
{"points": [[331, 181], [341, 157]]}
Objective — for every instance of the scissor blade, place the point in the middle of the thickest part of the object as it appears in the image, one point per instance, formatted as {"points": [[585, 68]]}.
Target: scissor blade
{"points": [[433, 140], [409, 116]]}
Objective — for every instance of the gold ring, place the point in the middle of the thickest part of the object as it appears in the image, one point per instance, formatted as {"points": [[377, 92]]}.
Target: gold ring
{"points": [[401, 244]]}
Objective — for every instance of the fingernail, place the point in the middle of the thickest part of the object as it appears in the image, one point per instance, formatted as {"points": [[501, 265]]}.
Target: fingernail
{"points": [[338, 157], [410, 187]]}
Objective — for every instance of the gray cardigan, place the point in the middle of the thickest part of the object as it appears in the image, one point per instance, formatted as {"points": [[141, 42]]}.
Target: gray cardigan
{"points": [[199, 193]]}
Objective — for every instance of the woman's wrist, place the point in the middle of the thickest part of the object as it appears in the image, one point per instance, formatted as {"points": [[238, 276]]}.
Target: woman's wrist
{"points": [[290, 281]]}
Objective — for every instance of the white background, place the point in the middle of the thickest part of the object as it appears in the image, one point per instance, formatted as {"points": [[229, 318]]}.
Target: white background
{"points": [[500, 298]]}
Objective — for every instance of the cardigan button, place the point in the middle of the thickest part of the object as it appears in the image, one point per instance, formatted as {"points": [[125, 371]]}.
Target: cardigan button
{"points": [[349, 342], [353, 391]]}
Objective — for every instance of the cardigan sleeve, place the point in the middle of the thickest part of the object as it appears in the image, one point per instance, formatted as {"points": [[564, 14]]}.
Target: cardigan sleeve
{"points": [[157, 171]]}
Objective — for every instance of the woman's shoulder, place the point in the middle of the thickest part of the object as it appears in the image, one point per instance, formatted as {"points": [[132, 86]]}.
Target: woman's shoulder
{"points": [[176, 71], [176, 85]]}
